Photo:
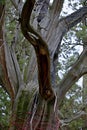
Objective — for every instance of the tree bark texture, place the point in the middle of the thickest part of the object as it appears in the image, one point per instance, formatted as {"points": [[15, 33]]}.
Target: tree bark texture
{"points": [[35, 104]]}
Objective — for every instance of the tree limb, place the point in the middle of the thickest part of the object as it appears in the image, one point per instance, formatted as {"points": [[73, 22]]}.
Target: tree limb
{"points": [[55, 12], [5, 81], [43, 9], [68, 22], [63, 27], [76, 17], [10, 77], [75, 117], [14, 2], [56, 8], [18, 4], [41, 50], [77, 70], [80, 114], [51, 31]]}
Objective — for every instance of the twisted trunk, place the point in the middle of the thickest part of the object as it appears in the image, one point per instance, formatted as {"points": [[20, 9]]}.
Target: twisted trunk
{"points": [[35, 106]]}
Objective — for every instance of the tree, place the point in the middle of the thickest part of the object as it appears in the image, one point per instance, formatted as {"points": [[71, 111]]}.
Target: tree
{"points": [[36, 99]]}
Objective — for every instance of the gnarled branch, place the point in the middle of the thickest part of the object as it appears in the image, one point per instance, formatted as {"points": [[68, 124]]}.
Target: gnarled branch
{"points": [[41, 50]]}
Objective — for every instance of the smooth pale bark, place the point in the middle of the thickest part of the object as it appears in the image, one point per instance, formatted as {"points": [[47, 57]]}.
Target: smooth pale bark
{"points": [[77, 70]]}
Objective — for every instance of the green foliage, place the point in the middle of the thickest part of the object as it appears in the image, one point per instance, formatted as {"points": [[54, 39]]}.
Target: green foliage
{"points": [[72, 105], [72, 46], [5, 107], [2, 2], [22, 47], [22, 50], [81, 32]]}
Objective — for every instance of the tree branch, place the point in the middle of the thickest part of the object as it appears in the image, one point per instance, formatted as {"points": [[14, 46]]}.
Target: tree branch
{"points": [[55, 12], [43, 9], [18, 4], [80, 114], [76, 17], [75, 117], [14, 2], [63, 27], [10, 77], [41, 50], [5, 81], [68, 22], [77, 70], [56, 8], [13, 68]]}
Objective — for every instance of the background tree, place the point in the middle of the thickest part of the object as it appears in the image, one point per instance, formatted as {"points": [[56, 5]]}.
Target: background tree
{"points": [[37, 100]]}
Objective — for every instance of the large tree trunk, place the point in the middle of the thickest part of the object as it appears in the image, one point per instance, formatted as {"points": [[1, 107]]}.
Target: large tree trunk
{"points": [[35, 105]]}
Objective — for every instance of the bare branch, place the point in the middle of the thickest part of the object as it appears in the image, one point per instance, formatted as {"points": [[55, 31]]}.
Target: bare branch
{"points": [[55, 12], [66, 24], [41, 50], [10, 76], [66, 121], [75, 117], [77, 70], [76, 17], [4, 76], [57, 7]]}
